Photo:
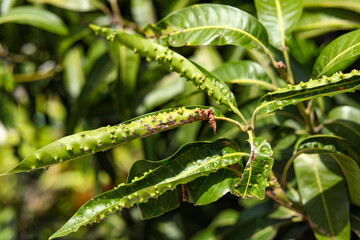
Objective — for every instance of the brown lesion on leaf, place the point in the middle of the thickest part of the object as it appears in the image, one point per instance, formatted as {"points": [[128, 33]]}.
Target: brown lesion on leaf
{"points": [[208, 114]]}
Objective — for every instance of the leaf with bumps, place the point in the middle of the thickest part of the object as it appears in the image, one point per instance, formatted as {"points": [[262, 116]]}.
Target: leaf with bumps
{"points": [[88, 142], [190, 162], [325, 86], [174, 61], [255, 177], [210, 24]]}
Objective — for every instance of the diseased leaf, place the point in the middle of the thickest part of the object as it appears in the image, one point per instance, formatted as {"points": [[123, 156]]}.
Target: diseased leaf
{"points": [[244, 72], [325, 86], [36, 17], [190, 162], [338, 54], [323, 195], [101, 139], [254, 180], [201, 78], [211, 24], [315, 23], [345, 155], [352, 5], [279, 18], [75, 5]]}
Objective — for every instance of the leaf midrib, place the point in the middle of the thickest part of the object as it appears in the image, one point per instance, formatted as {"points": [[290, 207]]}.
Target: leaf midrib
{"points": [[335, 58], [76, 226], [310, 91], [216, 27], [281, 23], [323, 199]]}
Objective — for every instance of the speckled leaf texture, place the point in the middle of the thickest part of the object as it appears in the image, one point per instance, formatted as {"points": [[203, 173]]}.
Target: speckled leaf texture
{"points": [[203, 80], [190, 162], [255, 176], [325, 86], [89, 142]]}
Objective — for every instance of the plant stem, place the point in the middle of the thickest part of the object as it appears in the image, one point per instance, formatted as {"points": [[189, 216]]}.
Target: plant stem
{"points": [[237, 112], [290, 77], [239, 125], [116, 11]]}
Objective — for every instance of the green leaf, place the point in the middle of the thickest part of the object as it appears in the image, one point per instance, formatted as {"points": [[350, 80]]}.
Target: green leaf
{"points": [[244, 72], [143, 12], [211, 24], [89, 142], [254, 180], [209, 189], [344, 121], [201, 78], [323, 195], [190, 162], [315, 23], [279, 18], [36, 17], [6, 5], [338, 54], [75, 5], [352, 5], [325, 86], [344, 154], [74, 76]]}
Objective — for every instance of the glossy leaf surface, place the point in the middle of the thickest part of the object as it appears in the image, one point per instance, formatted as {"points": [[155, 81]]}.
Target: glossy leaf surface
{"points": [[344, 121], [36, 17], [325, 86], [211, 24], [344, 49], [190, 162], [244, 72], [89, 142], [201, 78], [323, 195], [343, 153], [279, 18], [254, 180]]}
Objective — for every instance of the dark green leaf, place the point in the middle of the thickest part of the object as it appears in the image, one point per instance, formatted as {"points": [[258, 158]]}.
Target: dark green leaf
{"points": [[345, 155], [338, 54], [254, 180], [323, 195], [190, 162], [211, 24], [325, 86], [344, 121], [36, 17], [279, 18]]}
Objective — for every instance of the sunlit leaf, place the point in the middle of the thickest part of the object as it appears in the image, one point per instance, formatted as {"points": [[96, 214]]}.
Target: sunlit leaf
{"points": [[352, 5], [101, 139], [338, 54], [211, 24], [36, 17], [325, 86], [279, 18], [254, 179], [190, 162]]}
